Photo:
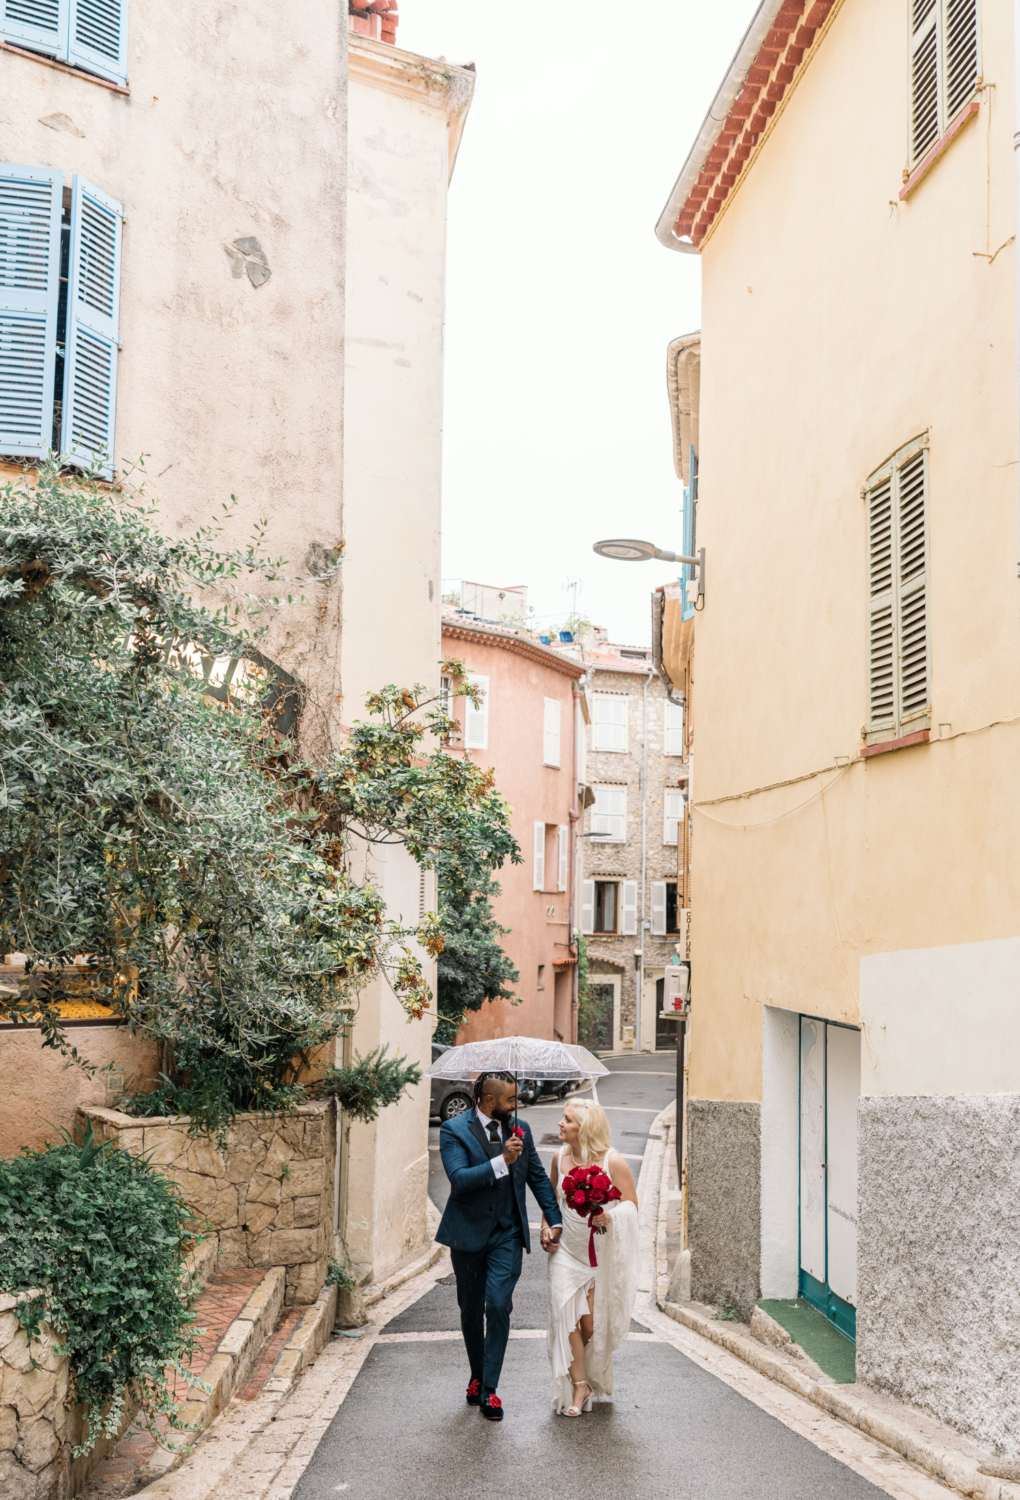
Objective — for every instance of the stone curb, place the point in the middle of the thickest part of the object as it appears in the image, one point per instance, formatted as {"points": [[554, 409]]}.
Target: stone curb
{"points": [[311, 1333], [955, 1469]]}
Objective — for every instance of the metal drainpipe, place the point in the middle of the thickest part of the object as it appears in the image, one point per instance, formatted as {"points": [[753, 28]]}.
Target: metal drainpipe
{"points": [[572, 847], [639, 998]]}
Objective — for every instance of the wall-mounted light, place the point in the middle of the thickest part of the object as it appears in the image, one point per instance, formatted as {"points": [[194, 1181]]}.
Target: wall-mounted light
{"points": [[630, 549]]}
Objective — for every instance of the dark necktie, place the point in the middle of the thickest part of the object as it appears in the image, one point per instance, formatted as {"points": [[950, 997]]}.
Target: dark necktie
{"points": [[494, 1134]]}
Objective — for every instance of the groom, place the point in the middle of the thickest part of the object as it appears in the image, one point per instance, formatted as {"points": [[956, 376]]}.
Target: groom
{"points": [[486, 1225]]}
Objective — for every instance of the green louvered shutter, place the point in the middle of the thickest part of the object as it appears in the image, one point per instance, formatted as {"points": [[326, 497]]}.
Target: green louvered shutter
{"points": [[899, 647], [93, 321], [30, 210]]}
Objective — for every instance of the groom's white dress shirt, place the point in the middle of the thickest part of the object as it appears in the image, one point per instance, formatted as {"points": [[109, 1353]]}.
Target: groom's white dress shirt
{"points": [[497, 1163]]}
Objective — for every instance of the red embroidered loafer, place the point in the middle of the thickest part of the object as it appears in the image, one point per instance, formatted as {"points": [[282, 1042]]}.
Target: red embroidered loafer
{"points": [[474, 1393], [492, 1408]]}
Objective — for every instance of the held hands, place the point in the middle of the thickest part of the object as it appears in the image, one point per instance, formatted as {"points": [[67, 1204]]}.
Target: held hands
{"points": [[550, 1238], [512, 1150]]}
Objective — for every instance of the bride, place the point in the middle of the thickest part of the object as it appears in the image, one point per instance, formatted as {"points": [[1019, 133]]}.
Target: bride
{"points": [[589, 1307]]}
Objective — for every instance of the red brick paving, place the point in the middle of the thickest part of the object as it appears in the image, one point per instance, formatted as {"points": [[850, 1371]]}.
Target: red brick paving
{"points": [[270, 1353], [215, 1309]]}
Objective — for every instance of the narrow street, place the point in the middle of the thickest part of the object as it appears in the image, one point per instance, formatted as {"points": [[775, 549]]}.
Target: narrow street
{"points": [[673, 1429]]}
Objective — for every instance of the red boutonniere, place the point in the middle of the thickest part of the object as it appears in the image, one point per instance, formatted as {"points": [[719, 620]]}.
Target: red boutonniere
{"points": [[517, 1131]]}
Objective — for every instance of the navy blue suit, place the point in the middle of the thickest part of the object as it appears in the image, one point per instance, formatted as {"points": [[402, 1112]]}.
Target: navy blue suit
{"points": [[486, 1227]]}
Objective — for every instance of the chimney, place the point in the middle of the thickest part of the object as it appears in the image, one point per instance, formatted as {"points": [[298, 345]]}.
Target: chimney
{"points": [[375, 18]]}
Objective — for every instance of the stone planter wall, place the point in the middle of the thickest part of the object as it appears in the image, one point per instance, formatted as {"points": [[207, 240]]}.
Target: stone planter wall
{"points": [[268, 1198]]}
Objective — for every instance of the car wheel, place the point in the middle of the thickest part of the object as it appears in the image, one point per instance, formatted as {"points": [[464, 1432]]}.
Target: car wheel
{"points": [[453, 1106]]}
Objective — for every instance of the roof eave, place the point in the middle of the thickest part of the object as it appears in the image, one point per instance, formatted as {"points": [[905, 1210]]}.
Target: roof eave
{"points": [[712, 126]]}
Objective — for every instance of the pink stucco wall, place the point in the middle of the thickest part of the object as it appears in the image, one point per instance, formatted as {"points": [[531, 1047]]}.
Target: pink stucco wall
{"points": [[540, 932]]}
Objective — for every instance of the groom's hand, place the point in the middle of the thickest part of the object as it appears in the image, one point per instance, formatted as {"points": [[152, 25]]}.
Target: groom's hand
{"points": [[512, 1150], [550, 1238]]}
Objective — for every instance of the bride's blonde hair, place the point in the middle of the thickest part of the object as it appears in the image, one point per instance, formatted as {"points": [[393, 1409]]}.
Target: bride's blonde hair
{"points": [[594, 1138]]}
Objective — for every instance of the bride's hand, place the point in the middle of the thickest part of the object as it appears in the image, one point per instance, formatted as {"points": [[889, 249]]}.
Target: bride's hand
{"points": [[601, 1220]]}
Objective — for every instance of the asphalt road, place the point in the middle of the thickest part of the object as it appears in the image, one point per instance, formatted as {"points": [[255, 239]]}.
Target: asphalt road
{"points": [[672, 1431]]}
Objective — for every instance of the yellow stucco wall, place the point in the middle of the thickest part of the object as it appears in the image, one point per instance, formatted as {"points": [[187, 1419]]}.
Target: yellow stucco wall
{"points": [[838, 324]]}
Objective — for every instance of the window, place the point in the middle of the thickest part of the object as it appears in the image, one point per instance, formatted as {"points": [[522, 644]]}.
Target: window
{"points": [[671, 907], [551, 733], [658, 908], [943, 67], [541, 977], [59, 317], [605, 905], [673, 812], [538, 868], [563, 870], [898, 648], [673, 736], [609, 814], [446, 695], [476, 720], [609, 723], [88, 34]]}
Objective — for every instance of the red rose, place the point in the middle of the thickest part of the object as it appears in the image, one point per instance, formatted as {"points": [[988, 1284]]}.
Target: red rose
{"points": [[578, 1198], [517, 1131], [596, 1195], [602, 1181], [614, 1194]]}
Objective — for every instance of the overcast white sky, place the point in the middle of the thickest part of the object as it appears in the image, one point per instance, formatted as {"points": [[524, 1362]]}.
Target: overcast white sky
{"points": [[560, 300]]}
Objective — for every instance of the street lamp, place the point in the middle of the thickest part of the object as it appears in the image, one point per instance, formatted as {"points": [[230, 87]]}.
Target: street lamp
{"points": [[629, 549]]}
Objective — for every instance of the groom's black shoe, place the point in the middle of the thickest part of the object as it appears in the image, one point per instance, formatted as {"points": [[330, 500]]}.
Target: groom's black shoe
{"points": [[492, 1408], [474, 1392]]}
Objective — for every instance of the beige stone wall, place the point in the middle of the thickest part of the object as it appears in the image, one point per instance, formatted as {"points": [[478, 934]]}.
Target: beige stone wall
{"points": [[267, 1198]]}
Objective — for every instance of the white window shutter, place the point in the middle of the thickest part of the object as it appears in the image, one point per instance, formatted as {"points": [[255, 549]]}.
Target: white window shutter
{"points": [[551, 733], [538, 873], [629, 908], [97, 37], [673, 811], [476, 720], [563, 873], [674, 735], [610, 723], [924, 76], [881, 605], [609, 815], [40, 25], [587, 907], [93, 328], [31, 204], [658, 908]]}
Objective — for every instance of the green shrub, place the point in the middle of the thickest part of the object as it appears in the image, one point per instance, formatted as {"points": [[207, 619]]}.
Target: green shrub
{"points": [[368, 1084], [339, 1276], [104, 1237]]}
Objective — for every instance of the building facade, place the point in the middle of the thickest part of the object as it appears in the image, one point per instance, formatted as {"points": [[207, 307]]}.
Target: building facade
{"points": [[854, 1078], [529, 730], [634, 829], [406, 117]]}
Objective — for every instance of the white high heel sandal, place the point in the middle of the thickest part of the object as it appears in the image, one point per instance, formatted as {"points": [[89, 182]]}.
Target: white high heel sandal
{"points": [[575, 1411]]}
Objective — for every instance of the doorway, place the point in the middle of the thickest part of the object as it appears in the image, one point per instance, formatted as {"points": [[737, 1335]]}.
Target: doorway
{"points": [[595, 1028], [830, 1085]]}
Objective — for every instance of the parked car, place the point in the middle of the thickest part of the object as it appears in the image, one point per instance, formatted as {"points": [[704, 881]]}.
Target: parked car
{"points": [[449, 1098]]}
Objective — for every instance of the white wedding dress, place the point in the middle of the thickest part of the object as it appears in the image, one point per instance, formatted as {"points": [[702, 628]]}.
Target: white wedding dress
{"points": [[570, 1278]]}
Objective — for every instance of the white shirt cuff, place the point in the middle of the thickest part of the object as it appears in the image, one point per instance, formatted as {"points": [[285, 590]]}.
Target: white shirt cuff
{"points": [[499, 1166]]}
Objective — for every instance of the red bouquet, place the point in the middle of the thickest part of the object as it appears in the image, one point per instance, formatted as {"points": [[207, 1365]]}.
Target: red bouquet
{"points": [[587, 1190]]}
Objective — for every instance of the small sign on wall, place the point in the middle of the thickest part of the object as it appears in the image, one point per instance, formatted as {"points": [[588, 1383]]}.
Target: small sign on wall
{"points": [[683, 943]]}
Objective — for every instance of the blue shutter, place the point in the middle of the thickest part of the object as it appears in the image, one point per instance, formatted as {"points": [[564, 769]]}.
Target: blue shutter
{"points": [[690, 500], [93, 322], [97, 37], [31, 202], [40, 25]]}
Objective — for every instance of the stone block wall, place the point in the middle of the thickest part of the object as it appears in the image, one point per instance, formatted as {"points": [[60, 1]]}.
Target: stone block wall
{"points": [[267, 1198], [724, 1201], [938, 1257]]}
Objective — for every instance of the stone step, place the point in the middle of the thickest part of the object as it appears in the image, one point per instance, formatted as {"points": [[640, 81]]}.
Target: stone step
{"points": [[239, 1312]]}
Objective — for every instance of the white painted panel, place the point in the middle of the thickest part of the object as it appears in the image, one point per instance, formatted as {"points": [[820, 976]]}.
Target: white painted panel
{"points": [[812, 1147], [912, 1003], [843, 1087], [779, 1150]]}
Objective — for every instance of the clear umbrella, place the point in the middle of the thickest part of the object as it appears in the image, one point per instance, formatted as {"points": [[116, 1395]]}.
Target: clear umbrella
{"points": [[523, 1056]]}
